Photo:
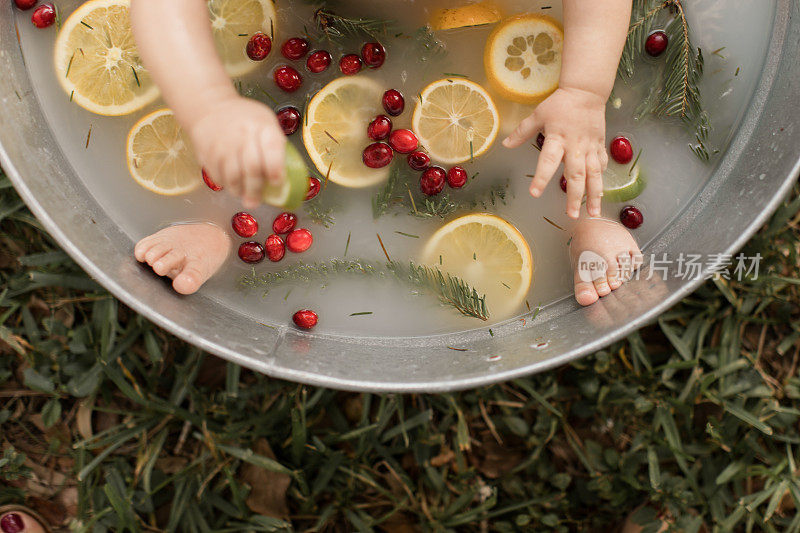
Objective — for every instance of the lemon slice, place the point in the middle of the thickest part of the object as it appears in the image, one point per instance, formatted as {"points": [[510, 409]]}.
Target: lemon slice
{"points": [[334, 130], [160, 157], [455, 120], [234, 22], [468, 15], [522, 57], [488, 253], [291, 193], [97, 62], [622, 183]]}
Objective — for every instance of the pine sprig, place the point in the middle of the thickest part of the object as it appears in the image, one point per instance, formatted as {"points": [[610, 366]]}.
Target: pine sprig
{"points": [[444, 205], [451, 290], [306, 272], [677, 92], [334, 26], [319, 213], [383, 199]]}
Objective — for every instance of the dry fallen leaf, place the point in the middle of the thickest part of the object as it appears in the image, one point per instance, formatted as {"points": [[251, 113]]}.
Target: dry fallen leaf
{"points": [[268, 489]]}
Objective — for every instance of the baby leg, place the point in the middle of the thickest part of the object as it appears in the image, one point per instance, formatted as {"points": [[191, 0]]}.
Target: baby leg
{"points": [[188, 253], [604, 255]]}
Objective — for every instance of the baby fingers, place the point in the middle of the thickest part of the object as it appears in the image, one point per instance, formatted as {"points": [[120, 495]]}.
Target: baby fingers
{"points": [[575, 172], [253, 181], [594, 184], [549, 160], [526, 129], [273, 156]]}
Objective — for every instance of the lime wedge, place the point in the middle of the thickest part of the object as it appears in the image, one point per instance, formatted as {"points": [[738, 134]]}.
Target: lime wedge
{"points": [[291, 193], [622, 183]]}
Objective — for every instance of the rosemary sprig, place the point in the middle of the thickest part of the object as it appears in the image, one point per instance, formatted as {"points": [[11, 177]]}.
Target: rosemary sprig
{"points": [[444, 205], [676, 93], [334, 26], [319, 212], [450, 290], [383, 198], [321, 271]]}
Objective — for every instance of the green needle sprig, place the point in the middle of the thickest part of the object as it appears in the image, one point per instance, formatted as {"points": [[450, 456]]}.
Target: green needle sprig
{"points": [[450, 290], [676, 93]]}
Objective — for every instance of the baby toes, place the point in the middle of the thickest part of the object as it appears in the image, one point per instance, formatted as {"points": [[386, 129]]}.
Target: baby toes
{"points": [[585, 293], [144, 246], [190, 278], [173, 260], [602, 287], [156, 252]]}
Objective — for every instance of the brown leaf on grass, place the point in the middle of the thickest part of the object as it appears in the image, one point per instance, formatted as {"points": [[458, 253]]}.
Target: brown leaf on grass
{"points": [[171, 464], [400, 523], [267, 489], [54, 513], [445, 456], [493, 460]]}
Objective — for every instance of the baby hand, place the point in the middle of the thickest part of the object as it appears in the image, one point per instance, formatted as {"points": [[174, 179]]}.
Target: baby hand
{"points": [[573, 123], [241, 145]]}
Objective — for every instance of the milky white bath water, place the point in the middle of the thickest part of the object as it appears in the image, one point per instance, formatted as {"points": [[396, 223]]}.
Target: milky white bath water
{"points": [[360, 305]]}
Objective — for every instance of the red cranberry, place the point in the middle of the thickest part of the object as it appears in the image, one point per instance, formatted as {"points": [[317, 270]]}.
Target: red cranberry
{"points": [[12, 523], [251, 252], [377, 155], [314, 186], [275, 248], [210, 183], [25, 4], [379, 128], [456, 177], [540, 141], [403, 141], [563, 183], [294, 48], [299, 240], [419, 160], [656, 43], [44, 16], [289, 119], [393, 102], [373, 54], [432, 181], [621, 150], [259, 46], [284, 223], [350, 64], [305, 318], [318, 61], [287, 78], [631, 217], [244, 224]]}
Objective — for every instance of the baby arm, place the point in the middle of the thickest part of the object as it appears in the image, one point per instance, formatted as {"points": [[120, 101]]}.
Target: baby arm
{"points": [[237, 140], [572, 119]]}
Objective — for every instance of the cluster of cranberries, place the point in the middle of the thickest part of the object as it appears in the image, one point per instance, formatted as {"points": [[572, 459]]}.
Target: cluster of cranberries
{"points": [[274, 248], [43, 16], [284, 236], [289, 79], [388, 141]]}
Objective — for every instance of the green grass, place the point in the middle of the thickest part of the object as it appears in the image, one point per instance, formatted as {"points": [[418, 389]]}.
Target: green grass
{"points": [[123, 427]]}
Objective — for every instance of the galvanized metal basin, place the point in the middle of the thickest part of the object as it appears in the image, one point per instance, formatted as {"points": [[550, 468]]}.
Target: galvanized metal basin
{"points": [[746, 187]]}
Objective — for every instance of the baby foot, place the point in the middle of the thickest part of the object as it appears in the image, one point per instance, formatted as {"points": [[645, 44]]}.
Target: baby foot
{"points": [[187, 253], [604, 255]]}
